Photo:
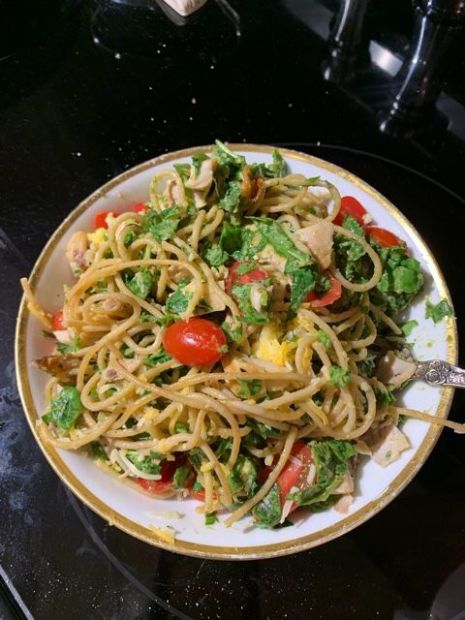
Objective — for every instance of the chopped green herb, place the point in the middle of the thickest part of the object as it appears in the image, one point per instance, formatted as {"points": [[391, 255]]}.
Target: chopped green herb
{"points": [[150, 464], [340, 377], [215, 256], [232, 198], [303, 282], [243, 478], [179, 427], [323, 338], [274, 234], [178, 301], [197, 160], [438, 311], [129, 237], [66, 349]]}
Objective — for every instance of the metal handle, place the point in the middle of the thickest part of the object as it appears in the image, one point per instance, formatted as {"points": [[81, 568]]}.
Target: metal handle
{"points": [[437, 372]]}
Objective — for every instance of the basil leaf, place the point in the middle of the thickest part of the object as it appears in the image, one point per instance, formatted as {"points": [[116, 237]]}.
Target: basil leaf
{"points": [[232, 198], [303, 281]]}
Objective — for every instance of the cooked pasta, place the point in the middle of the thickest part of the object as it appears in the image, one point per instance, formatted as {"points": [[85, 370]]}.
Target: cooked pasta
{"points": [[233, 339]]}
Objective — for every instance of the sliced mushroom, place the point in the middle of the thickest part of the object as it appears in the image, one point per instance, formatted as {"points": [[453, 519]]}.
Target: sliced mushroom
{"points": [[204, 179], [318, 238], [394, 371], [76, 249]]}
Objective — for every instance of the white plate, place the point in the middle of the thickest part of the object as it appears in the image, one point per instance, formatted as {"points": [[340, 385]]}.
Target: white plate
{"points": [[136, 513]]}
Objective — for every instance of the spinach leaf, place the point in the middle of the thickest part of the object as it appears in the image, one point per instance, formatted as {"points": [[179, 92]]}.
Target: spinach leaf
{"points": [[303, 282], [65, 409], [274, 234], [96, 451], [262, 429], [243, 478], [215, 256], [267, 513], [230, 237], [331, 459], [242, 293], [232, 198], [408, 327], [340, 377], [140, 283], [438, 311], [66, 349], [227, 157], [252, 243], [250, 388], [233, 332], [197, 160], [150, 464], [400, 282], [211, 519], [222, 449], [181, 476], [178, 301], [161, 226], [159, 357]]}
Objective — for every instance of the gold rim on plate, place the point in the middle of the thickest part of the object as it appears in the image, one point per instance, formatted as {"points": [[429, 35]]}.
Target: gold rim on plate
{"points": [[212, 551]]}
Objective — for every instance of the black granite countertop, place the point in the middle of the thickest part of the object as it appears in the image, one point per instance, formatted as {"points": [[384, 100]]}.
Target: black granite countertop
{"points": [[89, 89]]}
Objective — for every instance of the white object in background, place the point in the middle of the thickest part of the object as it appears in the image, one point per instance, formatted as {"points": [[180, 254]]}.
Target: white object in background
{"points": [[185, 7]]}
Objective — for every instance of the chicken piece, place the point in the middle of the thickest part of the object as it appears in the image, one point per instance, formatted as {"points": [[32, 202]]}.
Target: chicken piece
{"points": [[60, 366], [386, 443], [343, 504], [75, 253], [318, 238], [394, 371], [173, 193], [204, 179], [346, 485]]}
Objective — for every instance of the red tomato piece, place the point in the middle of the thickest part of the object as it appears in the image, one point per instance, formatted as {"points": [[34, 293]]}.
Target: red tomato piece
{"points": [[200, 494], [168, 469], [139, 207], [155, 486], [101, 218], [328, 298], [195, 342], [57, 321], [382, 236], [296, 470], [350, 206], [254, 275]]}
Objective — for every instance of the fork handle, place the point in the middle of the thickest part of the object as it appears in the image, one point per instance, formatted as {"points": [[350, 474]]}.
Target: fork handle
{"points": [[438, 372]]}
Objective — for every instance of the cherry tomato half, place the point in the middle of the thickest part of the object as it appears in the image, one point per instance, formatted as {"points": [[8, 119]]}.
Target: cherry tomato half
{"points": [[350, 206], [57, 321], [328, 298], [382, 236], [195, 342], [101, 219], [254, 275], [296, 470], [139, 207], [168, 469]]}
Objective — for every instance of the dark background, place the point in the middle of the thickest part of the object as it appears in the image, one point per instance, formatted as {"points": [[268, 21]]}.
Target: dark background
{"points": [[89, 89]]}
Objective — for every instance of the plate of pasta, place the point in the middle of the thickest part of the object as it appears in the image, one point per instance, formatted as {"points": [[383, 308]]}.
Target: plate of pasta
{"points": [[215, 351]]}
